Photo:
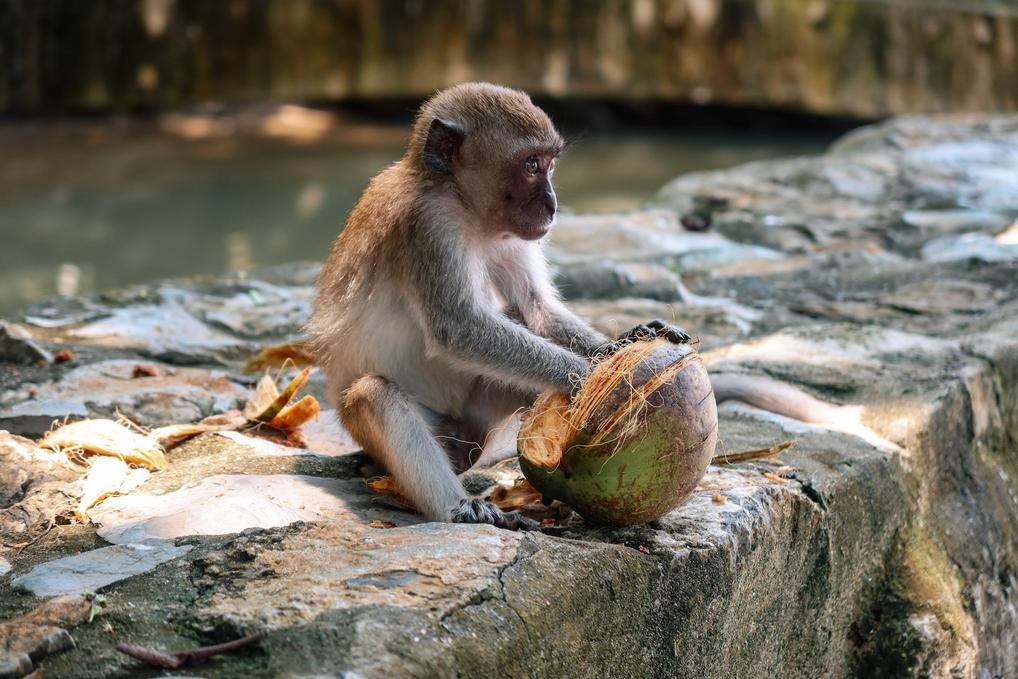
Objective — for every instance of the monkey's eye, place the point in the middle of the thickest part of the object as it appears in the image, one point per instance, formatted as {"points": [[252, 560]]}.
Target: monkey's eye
{"points": [[532, 165]]}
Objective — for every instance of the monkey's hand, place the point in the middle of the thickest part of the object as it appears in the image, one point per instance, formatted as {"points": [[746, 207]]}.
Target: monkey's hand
{"points": [[645, 331], [475, 510]]}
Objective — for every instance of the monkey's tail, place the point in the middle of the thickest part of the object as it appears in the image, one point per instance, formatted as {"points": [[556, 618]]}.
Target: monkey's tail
{"points": [[784, 399]]}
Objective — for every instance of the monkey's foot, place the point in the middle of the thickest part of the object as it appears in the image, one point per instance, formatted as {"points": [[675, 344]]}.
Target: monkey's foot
{"points": [[473, 510]]}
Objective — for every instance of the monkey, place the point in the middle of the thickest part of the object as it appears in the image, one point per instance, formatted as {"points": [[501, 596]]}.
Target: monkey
{"points": [[436, 320]]}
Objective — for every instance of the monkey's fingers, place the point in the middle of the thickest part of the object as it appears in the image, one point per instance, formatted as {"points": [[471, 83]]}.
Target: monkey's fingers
{"points": [[671, 333], [639, 332]]}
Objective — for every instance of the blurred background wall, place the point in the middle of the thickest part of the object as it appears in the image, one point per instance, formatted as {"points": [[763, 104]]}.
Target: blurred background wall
{"points": [[863, 58]]}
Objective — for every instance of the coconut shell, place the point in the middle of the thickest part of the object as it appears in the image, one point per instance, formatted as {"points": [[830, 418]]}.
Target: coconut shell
{"points": [[642, 447]]}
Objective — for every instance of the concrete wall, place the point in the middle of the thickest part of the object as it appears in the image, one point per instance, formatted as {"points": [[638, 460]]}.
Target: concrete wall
{"points": [[858, 58]]}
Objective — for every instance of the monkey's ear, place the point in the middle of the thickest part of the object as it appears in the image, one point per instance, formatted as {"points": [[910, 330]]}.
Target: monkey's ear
{"points": [[444, 138]]}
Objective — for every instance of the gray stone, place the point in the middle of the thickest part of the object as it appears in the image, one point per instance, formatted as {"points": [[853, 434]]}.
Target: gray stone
{"points": [[978, 246], [17, 346], [171, 395], [91, 571], [230, 503]]}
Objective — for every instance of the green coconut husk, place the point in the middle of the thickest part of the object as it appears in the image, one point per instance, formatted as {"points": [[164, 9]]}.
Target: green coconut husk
{"points": [[633, 443]]}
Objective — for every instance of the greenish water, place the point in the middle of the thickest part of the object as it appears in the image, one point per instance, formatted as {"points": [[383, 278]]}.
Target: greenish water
{"points": [[95, 205]]}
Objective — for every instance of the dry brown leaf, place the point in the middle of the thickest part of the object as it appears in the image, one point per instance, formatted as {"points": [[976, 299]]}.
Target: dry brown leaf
{"points": [[384, 485], [265, 392], [174, 434], [269, 413], [775, 477], [296, 414], [382, 524], [719, 498], [146, 370], [519, 495], [298, 354]]}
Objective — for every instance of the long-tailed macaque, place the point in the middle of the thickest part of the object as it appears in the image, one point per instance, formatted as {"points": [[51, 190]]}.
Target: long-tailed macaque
{"points": [[436, 320]]}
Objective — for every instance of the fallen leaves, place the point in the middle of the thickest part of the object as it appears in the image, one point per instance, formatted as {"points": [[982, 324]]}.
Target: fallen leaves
{"points": [[297, 353], [267, 401], [521, 494], [119, 455]]}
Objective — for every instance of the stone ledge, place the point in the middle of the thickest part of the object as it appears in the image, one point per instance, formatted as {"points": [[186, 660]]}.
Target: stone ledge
{"points": [[890, 551]]}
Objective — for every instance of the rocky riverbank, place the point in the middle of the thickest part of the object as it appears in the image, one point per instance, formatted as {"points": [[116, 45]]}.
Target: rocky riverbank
{"points": [[882, 274]]}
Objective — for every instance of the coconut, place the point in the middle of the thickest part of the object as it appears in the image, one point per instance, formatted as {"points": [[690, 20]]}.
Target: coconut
{"points": [[634, 441]]}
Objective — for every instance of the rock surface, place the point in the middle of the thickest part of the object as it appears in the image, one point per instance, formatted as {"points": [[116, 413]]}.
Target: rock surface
{"points": [[887, 547]]}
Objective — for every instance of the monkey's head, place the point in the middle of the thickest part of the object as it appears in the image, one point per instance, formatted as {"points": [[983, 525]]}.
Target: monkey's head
{"points": [[496, 150]]}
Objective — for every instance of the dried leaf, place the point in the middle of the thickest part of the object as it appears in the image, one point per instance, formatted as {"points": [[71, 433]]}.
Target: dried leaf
{"points": [[174, 434], [382, 524], [384, 485], [296, 414], [775, 477], [261, 398], [146, 370], [297, 353], [519, 495], [269, 413], [719, 498]]}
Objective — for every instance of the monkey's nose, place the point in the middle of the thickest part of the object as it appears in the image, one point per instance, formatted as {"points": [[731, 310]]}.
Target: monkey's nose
{"points": [[550, 204]]}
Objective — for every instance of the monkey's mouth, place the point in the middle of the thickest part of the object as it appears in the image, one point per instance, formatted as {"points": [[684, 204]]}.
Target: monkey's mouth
{"points": [[535, 231]]}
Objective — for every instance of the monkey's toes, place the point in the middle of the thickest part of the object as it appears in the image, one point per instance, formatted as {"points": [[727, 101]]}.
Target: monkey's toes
{"points": [[474, 510], [516, 521]]}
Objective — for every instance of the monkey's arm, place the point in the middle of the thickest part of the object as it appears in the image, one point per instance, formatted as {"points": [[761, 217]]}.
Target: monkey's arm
{"points": [[532, 297], [460, 323], [552, 319]]}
